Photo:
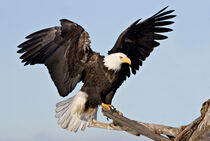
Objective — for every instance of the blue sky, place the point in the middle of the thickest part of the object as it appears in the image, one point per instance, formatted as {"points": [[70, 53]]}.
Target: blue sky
{"points": [[169, 89]]}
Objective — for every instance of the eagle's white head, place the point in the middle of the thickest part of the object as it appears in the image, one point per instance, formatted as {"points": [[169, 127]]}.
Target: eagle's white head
{"points": [[115, 60]]}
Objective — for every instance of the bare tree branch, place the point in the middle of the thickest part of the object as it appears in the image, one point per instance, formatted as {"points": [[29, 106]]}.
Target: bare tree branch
{"points": [[162, 129], [192, 132], [203, 130]]}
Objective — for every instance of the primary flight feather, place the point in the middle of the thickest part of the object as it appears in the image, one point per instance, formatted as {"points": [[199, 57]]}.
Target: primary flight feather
{"points": [[65, 51]]}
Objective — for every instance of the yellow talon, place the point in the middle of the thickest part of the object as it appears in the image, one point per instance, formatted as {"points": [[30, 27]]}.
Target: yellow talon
{"points": [[110, 107], [119, 113], [107, 106]]}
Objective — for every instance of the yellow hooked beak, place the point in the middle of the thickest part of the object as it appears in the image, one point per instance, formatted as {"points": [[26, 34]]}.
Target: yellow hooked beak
{"points": [[126, 60]]}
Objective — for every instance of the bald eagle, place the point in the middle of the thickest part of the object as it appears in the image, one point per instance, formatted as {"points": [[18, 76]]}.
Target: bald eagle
{"points": [[65, 51]]}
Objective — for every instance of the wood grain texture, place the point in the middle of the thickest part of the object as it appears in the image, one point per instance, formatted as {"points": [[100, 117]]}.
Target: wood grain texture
{"points": [[198, 130]]}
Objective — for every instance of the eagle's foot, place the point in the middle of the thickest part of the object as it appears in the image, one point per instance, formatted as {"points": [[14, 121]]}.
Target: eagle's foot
{"points": [[110, 107], [119, 113], [107, 106]]}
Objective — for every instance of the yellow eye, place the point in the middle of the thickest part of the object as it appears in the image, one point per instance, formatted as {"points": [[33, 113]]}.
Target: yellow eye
{"points": [[121, 57]]}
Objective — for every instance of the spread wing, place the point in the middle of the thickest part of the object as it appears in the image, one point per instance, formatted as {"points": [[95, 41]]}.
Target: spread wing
{"points": [[63, 49], [139, 40]]}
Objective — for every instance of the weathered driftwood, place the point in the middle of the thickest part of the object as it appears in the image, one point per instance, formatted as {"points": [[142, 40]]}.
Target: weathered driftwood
{"points": [[198, 130]]}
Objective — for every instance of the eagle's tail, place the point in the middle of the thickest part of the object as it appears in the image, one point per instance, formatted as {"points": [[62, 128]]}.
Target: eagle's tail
{"points": [[72, 115]]}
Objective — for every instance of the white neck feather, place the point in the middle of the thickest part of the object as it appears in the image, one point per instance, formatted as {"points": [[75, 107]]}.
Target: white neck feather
{"points": [[111, 63]]}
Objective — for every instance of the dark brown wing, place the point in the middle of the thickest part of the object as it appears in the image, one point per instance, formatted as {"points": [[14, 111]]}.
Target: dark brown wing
{"points": [[63, 49], [139, 40]]}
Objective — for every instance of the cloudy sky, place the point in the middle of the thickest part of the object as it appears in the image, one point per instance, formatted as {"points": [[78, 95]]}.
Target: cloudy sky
{"points": [[169, 89]]}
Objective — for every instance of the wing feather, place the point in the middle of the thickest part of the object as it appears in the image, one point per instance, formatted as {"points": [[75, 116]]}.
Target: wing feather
{"points": [[140, 39], [63, 49]]}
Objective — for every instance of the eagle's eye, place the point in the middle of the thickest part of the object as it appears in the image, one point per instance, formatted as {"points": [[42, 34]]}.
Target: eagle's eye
{"points": [[121, 57]]}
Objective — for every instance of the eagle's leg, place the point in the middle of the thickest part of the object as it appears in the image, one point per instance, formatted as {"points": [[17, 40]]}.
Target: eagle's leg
{"points": [[110, 107], [108, 100]]}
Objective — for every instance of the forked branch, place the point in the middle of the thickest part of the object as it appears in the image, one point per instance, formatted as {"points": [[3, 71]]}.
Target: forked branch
{"points": [[198, 129]]}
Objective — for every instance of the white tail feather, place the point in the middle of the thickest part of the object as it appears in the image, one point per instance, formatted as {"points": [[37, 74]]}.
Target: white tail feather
{"points": [[72, 115]]}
